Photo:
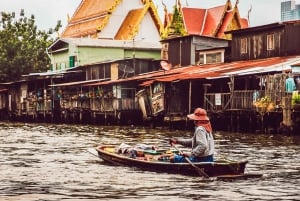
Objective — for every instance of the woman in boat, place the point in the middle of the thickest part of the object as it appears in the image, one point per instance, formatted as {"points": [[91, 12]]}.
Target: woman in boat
{"points": [[202, 142]]}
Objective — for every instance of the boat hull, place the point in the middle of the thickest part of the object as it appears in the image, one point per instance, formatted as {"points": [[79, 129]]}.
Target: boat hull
{"points": [[213, 169]]}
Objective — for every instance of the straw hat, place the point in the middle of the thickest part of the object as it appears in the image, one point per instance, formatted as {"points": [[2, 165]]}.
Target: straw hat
{"points": [[199, 114]]}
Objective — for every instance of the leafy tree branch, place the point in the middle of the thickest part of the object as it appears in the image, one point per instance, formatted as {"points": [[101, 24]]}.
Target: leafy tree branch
{"points": [[23, 46]]}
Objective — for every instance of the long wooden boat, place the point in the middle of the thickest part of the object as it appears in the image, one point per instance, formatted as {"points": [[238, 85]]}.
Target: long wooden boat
{"points": [[153, 160]]}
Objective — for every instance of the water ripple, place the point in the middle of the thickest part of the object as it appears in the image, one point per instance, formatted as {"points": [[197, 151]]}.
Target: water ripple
{"points": [[51, 162]]}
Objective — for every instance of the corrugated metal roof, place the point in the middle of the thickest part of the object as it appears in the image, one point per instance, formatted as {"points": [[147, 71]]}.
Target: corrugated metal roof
{"points": [[76, 83], [52, 73], [145, 76], [212, 71], [297, 64], [3, 90]]}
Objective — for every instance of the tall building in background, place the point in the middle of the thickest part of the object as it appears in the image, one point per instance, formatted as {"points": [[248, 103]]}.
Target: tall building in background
{"points": [[290, 10]]}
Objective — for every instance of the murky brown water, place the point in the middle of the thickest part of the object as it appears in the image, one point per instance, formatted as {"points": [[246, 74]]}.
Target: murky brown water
{"points": [[51, 162]]}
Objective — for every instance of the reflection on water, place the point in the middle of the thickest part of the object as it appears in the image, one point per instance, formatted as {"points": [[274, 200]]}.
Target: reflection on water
{"points": [[51, 162]]}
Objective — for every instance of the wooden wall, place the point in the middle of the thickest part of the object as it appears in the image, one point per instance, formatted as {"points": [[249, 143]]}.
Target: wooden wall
{"points": [[286, 41]]}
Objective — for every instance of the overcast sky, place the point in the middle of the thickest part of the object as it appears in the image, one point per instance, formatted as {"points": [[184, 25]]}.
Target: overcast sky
{"points": [[48, 12]]}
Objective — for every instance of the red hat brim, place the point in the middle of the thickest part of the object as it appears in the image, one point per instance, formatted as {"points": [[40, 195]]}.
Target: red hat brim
{"points": [[195, 117]]}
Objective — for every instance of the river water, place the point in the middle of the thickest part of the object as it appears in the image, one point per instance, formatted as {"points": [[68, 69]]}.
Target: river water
{"points": [[51, 162]]}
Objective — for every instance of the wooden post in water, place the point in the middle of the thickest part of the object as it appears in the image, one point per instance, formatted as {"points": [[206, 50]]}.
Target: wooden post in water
{"points": [[190, 96], [45, 102], [80, 115], [287, 110]]}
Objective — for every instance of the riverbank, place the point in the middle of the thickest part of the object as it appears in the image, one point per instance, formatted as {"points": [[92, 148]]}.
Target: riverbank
{"points": [[231, 120]]}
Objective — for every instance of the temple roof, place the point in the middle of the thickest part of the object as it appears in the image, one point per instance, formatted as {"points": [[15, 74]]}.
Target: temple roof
{"points": [[198, 15], [88, 17], [213, 21], [92, 16], [132, 19]]}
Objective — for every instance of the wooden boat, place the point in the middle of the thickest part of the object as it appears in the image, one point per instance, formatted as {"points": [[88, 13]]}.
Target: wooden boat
{"points": [[158, 161]]}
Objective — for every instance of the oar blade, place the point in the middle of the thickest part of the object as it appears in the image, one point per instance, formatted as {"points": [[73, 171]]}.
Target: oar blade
{"points": [[199, 170], [92, 151]]}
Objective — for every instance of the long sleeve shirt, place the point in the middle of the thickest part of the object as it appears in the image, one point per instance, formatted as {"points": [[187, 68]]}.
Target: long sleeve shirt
{"points": [[202, 143]]}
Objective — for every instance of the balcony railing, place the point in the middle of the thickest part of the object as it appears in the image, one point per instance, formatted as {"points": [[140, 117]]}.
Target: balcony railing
{"points": [[237, 100], [242, 100]]}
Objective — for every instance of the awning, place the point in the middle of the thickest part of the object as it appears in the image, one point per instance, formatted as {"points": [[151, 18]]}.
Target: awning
{"points": [[76, 83], [52, 73], [3, 90], [141, 77]]}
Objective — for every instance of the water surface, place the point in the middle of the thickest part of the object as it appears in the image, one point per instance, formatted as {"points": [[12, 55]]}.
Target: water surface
{"points": [[51, 162]]}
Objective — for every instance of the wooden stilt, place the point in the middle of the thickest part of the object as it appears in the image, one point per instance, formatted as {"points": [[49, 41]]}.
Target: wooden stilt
{"points": [[287, 110]]}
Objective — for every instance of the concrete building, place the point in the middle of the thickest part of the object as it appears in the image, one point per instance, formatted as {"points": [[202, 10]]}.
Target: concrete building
{"points": [[290, 10]]}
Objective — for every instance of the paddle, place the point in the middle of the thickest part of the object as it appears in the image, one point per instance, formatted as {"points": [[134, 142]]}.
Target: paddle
{"points": [[93, 151], [199, 170]]}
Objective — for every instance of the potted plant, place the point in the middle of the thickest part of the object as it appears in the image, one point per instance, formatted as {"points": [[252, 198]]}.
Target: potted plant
{"points": [[264, 105]]}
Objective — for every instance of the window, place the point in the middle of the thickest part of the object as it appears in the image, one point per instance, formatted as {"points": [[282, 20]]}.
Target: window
{"points": [[72, 61], [95, 72], [213, 58], [209, 57], [200, 59], [164, 51], [62, 66], [270, 42], [128, 93], [244, 45]]}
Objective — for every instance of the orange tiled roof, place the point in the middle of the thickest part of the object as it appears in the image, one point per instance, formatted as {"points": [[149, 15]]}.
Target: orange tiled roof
{"points": [[93, 15], [194, 19], [88, 10], [82, 29], [130, 25], [244, 23], [226, 21], [88, 17], [132, 20], [230, 17], [212, 22]]}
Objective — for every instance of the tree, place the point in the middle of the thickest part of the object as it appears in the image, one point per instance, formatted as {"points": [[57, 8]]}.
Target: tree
{"points": [[22, 46], [177, 25]]}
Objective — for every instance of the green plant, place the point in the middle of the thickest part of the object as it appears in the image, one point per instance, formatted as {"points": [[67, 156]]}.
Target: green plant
{"points": [[295, 99]]}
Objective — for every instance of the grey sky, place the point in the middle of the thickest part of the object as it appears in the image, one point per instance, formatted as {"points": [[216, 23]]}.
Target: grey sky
{"points": [[47, 13]]}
